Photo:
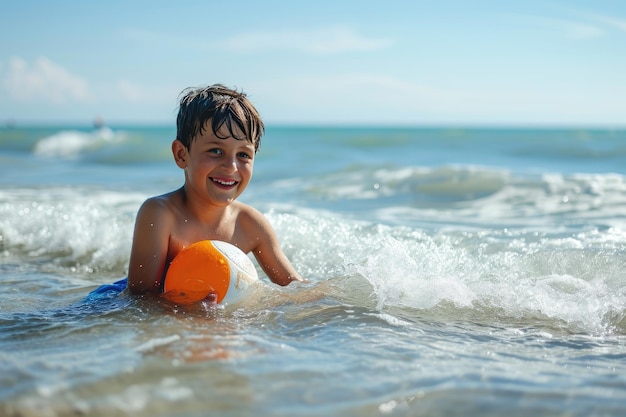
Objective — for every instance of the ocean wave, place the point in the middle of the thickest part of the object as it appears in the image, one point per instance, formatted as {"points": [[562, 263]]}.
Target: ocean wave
{"points": [[471, 195], [564, 284], [422, 185], [77, 230], [101, 146], [73, 143], [564, 276]]}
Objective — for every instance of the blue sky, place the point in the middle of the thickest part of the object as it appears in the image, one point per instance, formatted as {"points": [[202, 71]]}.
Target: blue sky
{"points": [[444, 62]]}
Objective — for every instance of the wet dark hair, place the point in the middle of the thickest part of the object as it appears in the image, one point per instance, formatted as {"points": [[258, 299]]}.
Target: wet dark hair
{"points": [[222, 106]]}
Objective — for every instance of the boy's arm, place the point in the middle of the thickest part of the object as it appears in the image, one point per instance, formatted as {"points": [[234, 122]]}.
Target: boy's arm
{"points": [[149, 249], [269, 254]]}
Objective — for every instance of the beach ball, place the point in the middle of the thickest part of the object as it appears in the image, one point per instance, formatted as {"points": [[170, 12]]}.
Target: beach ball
{"points": [[209, 266]]}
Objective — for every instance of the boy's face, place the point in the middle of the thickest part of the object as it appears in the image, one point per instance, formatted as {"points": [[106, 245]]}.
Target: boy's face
{"points": [[216, 169]]}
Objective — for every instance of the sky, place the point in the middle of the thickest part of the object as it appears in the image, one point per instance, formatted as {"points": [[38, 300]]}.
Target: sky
{"points": [[361, 62]]}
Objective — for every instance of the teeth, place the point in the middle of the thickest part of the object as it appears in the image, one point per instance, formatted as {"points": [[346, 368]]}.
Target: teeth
{"points": [[224, 182]]}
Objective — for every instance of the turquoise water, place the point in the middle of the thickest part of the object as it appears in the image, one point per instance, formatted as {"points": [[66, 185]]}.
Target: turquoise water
{"points": [[453, 272]]}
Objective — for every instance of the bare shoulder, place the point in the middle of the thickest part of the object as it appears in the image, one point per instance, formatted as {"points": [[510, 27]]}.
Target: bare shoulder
{"points": [[160, 206], [253, 232], [250, 217]]}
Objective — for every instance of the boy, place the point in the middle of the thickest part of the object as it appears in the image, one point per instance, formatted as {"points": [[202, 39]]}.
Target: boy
{"points": [[217, 137]]}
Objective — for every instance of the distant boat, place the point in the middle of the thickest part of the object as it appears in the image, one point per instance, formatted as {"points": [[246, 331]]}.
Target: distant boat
{"points": [[98, 122]]}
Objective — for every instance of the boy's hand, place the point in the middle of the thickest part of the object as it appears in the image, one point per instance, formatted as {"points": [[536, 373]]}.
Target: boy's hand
{"points": [[211, 298]]}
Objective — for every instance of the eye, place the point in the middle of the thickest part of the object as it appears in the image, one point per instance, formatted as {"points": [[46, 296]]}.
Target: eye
{"points": [[216, 151], [244, 155]]}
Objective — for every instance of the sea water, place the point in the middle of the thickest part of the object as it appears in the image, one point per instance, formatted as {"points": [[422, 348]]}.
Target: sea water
{"points": [[454, 271]]}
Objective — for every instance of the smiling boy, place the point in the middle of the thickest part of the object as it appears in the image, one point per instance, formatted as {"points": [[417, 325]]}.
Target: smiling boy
{"points": [[218, 135]]}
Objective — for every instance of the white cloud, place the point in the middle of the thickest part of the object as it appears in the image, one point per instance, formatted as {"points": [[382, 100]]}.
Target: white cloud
{"points": [[586, 25], [618, 23], [43, 80], [322, 41], [331, 40], [571, 29], [574, 30], [610, 21]]}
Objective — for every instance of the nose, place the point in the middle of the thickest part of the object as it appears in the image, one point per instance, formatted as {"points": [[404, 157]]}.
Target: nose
{"points": [[229, 164]]}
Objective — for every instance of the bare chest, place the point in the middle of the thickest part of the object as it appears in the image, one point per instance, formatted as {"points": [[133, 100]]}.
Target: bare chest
{"points": [[189, 232]]}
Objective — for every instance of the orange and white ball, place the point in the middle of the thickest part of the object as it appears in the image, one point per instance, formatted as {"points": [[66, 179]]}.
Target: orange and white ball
{"points": [[209, 266]]}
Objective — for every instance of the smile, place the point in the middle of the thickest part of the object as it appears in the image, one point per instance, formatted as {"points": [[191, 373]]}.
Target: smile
{"points": [[224, 182]]}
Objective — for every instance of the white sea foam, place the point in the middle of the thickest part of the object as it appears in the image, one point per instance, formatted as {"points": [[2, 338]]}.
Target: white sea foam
{"points": [[84, 228], [71, 143], [157, 342], [521, 273]]}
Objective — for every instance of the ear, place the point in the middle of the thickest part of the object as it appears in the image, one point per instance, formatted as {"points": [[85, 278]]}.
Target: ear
{"points": [[180, 153]]}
